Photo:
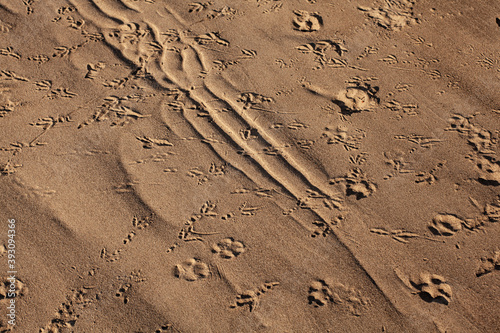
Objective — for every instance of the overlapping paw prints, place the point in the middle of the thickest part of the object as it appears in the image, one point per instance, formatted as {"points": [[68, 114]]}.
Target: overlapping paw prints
{"points": [[433, 287], [352, 300], [191, 270], [228, 248]]}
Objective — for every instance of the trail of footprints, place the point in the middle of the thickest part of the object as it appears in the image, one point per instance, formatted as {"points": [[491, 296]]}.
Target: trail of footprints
{"points": [[394, 15]]}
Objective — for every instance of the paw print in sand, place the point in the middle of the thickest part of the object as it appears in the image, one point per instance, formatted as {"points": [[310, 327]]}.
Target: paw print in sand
{"points": [[361, 97], [7, 288], [488, 169], [305, 21], [352, 300], [433, 287], [357, 184], [191, 270], [445, 224], [489, 264], [228, 248]]}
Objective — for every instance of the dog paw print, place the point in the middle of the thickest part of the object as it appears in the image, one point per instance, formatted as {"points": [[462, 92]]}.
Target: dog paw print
{"points": [[319, 293], [489, 264], [446, 225], [433, 287], [307, 22], [488, 169], [191, 270], [228, 248]]}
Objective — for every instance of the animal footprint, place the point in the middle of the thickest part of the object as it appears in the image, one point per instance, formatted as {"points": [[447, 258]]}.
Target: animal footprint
{"points": [[192, 270], [321, 292], [433, 287], [228, 248], [489, 170], [356, 99], [356, 184], [252, 297], [121, 293], [446, 224], [7, 288], [489, 264], [305, 21]]}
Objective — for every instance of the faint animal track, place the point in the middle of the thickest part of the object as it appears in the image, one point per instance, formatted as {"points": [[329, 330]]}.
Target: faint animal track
{"points": [[446, 224], [5, 27], [323, 229], [68, 312], [188, 233], [93, 69], [8, 168], [167, 328], [489, 264], [432, 287], [211, 38], [481, 140], [9, 52], [252, 297], [489, 170], [228, 248], [393, 14], [399, 235], [367, 51], [396, 159], [321, 47], [341, 136], [422, 141], [253, 100], [356, 184], [492, 211], [402, 109], [248, 210], [10, 75], [10, 288], [305, 21], [322, 292], [460, 123], [121, 293], [429, 177], [198, 6], [191, 270], [110, 257], [149, 143]]}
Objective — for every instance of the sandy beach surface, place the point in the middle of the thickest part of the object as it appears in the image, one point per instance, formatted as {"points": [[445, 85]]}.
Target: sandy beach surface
{"points": [[249, 166]]}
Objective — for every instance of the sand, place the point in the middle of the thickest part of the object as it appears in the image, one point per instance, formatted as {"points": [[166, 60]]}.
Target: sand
{"points": [[249, 166]]}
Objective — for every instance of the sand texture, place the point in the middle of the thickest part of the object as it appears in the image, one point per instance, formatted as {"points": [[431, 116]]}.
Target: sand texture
{"points": [[250, 165]]}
